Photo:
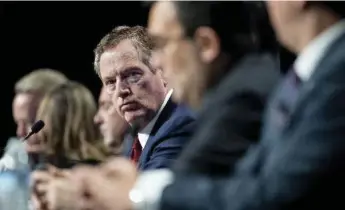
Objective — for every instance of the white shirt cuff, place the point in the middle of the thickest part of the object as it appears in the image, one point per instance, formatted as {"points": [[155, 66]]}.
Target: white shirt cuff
{"points": [[148, 189]]}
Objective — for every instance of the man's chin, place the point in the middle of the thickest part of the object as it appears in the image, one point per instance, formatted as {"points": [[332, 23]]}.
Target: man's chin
{"points": [[134, 117]]}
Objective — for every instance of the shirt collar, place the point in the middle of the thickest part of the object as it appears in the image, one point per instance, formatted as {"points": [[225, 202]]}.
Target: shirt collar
{"points": [[311, 55], [144, 134]]}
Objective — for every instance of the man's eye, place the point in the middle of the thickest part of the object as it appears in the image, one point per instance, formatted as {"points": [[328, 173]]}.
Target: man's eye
{"points": [[110, 82], [133, 74], [133, 77]]}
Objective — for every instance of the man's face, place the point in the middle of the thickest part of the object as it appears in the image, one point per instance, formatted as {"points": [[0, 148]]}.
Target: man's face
{"points": [[110, 123], [136, 90], [178, 56], [24, 110]]}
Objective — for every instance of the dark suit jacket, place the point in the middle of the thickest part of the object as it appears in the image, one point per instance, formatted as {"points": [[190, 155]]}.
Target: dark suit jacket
{"points": [[230, 118], [301, 167], [169, 135]]}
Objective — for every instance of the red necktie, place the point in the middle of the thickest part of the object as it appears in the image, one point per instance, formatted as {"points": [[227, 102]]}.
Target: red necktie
{"points": [[136, 150]]}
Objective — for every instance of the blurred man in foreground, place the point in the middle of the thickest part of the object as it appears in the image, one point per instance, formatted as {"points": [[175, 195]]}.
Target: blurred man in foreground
{"points": [[216, 66], [112, 126]]}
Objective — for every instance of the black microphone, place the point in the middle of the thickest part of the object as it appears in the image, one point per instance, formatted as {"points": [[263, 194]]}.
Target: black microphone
{"points": [[36, 127]]}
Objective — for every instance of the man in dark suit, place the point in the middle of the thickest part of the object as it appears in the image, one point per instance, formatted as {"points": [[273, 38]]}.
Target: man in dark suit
{"points": [[298, 163], [210, 78], [123, 62]]}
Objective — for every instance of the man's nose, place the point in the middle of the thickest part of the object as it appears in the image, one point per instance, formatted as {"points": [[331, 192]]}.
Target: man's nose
{"points": [[97, 119], [122, 89]]}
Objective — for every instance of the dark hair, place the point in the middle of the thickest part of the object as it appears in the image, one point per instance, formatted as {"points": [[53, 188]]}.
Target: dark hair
{"points": [[262, 28], [338, 7], [230, 20]]}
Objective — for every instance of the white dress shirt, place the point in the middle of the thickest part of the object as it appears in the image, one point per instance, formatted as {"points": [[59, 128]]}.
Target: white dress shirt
{"points": [[309, 57], [144, 134], [15, 156], [147, 191]]}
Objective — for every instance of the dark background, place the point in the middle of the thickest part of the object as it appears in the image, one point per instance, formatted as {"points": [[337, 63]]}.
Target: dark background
{"points": [[58, 35]]}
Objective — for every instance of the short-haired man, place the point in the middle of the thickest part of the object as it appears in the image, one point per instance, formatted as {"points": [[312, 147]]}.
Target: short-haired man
{"points": [[161, 127], [28, 93], [112, 126]]}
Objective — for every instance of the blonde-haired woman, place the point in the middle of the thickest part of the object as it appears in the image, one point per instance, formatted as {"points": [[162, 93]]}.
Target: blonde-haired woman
{"points": [[69, 134]]}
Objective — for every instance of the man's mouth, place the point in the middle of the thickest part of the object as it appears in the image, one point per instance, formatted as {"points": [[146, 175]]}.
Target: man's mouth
{"points": [[131, 106]]}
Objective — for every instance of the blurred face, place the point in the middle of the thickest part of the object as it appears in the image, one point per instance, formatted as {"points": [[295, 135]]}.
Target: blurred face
{"points": [[110, 123], [136, 90], [24, 109], [182, 59], [285, 17]]}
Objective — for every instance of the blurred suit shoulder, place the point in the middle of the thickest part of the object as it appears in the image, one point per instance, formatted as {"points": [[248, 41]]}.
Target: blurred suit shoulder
{"points": [[231, 118]]}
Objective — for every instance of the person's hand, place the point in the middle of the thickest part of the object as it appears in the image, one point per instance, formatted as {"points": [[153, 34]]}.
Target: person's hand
{"points": [[107, 187], [62, 193], [52, 190], [40, 180]]}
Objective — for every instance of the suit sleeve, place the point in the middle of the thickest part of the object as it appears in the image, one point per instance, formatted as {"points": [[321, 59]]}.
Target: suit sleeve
{"points": [[171, 145], [224, 136], [304, 161]]}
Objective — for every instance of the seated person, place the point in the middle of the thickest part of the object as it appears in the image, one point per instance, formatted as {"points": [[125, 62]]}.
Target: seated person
{"points": [[69, 134], [111, 125]]}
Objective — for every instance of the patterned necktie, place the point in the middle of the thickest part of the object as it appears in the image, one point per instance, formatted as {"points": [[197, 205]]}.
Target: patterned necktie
{"points": [[289, 92], [136, 150], [282, 105]]}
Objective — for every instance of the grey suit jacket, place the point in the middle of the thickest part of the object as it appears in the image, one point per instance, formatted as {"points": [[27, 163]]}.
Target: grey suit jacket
{"points": [[299, 168], [231, 118]]}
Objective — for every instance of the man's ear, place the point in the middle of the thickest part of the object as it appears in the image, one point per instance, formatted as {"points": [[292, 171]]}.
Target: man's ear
{"points": [[160, 73], [208, 43]]}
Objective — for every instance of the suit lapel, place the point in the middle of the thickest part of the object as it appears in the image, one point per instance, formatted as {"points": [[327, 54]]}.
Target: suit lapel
{"points": [[127, 147], [163, 117], [322, 69], [247, 76]]}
